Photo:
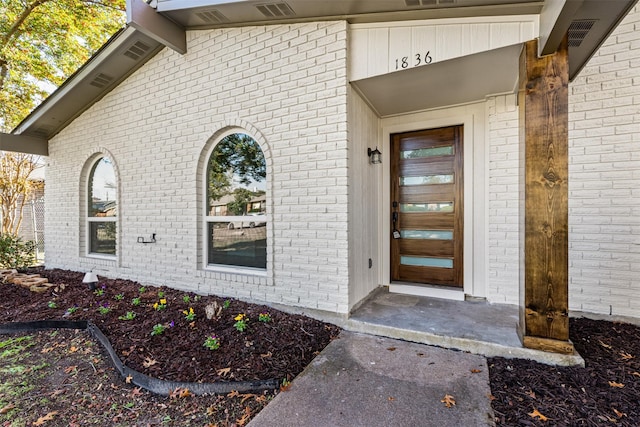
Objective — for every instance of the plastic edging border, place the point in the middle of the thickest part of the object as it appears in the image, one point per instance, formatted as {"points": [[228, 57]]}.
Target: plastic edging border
{"points": [[154, 385]]}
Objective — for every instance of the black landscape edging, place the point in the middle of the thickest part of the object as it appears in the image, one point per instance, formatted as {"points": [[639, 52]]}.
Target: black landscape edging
{"points": [[154, 385]]}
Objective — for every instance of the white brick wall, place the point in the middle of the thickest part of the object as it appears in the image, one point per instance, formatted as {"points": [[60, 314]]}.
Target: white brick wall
{"points": [[504, 172], [604, 184], [284, 84]]}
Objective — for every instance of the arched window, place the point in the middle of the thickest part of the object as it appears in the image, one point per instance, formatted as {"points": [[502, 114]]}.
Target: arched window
{"points": [[102, 208], [235, 217]]}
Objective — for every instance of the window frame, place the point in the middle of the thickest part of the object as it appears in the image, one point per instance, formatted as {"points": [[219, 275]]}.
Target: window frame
{"points": [[209, 219], [96, 219]]}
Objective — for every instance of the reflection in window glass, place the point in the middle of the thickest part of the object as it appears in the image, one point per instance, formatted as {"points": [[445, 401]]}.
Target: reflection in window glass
{"points": [[426, 180], [446, 150], [426, 207], [236, 203], [102, 208]]}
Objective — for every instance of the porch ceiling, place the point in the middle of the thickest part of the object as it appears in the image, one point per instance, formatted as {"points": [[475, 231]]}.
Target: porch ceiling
{"points": [[455, 81]]}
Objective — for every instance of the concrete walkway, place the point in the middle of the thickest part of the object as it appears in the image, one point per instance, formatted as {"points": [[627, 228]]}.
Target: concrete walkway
{"points": [[365, 380]]}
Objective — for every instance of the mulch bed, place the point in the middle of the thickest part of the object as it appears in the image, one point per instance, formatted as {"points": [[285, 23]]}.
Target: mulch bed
{"points": [[277, 349], [605, 392]]}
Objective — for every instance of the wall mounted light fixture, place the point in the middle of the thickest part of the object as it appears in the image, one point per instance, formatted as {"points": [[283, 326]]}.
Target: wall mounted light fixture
{"points": [[375, 156]]}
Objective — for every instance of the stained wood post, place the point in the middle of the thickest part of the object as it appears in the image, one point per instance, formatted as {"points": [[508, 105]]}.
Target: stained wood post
{"points": [[543, 106]]}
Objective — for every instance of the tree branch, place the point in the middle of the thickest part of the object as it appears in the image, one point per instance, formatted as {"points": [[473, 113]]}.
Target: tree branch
{"points": [[18, 23]]}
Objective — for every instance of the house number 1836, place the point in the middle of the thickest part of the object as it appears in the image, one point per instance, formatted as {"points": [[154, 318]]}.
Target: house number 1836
{"points": [[417, 60]]}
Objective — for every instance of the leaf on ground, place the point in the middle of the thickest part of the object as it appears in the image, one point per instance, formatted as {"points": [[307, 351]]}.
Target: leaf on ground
{"points": [[537, 414], [42, 420], [57, 392], [179, 393], [604, 345], [636, 374], [618, 413], [73, 349], [234, 393], [266, 355], [149, 362], [7, 408], [245, 417], [475, 371], [391, 348], [128, 379], [448, 400], [626, 356], [224, 371], [70, 369], [391, 398], [615, 384], [136, 392], [532, 394]]}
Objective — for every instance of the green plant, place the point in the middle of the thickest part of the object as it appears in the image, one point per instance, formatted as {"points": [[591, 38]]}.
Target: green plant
{"points": [[103, 308], [71, 310], [189, 315], [135, 301], [264, 317], [142, 289], [197, 298], [119, 297], [158, 329], [129, 405], [129, 316], [160, 294], [212, 342], [99, 292], [186, 299], [52, 304], [161, 305], [241, 322], [226, 304], [15, 253]]}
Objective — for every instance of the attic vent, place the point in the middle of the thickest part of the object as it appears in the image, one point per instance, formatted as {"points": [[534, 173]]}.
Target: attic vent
{"points": [[101, 80], [578, 30], [275, 10], [211, 16], [418, 3], [137, 50]]}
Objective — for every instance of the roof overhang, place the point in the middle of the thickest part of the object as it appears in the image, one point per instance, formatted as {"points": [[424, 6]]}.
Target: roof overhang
{"points": [[587, 22], [149, 30], [455, 81]]}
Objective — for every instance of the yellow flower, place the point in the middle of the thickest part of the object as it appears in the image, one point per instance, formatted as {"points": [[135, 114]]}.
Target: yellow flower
{"points": [[163, 301], [155, 305], [239, 317], [185, 312]]}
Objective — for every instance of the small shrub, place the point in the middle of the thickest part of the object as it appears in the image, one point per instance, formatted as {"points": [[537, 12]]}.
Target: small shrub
{"points": [[15, 253]]}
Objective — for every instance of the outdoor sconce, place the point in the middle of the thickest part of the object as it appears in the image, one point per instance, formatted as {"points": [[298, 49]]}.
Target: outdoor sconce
{"points": [[91, 280], [375, 156]]}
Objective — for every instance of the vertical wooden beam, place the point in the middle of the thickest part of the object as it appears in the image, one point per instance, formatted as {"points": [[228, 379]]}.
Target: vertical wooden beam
{"points": [[544, 295]]}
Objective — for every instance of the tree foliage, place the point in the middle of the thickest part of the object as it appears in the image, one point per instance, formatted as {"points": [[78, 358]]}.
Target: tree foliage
{"points": [[237, 157], [15, 188], [42, 42]]}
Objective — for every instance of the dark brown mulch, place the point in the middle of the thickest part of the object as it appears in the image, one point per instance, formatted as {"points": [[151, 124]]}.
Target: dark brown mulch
{"points": [[605, 392], [278, 349]]}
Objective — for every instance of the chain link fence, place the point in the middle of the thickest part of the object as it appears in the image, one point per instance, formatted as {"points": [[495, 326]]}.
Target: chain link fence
{"points": [[33, 225]]}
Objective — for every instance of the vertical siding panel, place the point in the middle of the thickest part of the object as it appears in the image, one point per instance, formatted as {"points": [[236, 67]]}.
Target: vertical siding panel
{"points": [[399, 46], [378, 51], [424, 40], [449, 42], [359, 55], [504, 34], [475, 38]]}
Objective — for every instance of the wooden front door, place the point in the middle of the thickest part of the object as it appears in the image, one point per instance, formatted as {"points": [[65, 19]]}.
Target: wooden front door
{"points": [[427, 206]]}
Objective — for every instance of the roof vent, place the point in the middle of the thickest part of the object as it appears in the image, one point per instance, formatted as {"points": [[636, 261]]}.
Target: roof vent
{"points": [[101, 80], [275, 10], [137, 50], [418, 3], [211, 16], [578, 30]]}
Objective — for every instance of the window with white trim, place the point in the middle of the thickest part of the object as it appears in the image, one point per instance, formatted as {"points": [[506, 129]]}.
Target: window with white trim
{"points": [[235, 211], [102, 207]]}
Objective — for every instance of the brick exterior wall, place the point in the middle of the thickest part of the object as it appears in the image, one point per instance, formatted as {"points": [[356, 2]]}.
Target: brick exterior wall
{"points": [[285, 85], [604, 183]]}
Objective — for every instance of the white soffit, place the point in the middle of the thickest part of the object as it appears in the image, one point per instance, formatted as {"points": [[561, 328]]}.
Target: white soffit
{"points": [[455, 81]]}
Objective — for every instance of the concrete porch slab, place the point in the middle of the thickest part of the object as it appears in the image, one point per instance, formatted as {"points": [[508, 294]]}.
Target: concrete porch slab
{"points": [[474, 326]]}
